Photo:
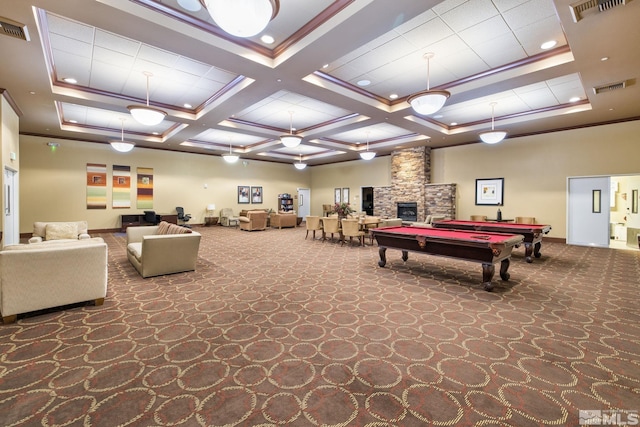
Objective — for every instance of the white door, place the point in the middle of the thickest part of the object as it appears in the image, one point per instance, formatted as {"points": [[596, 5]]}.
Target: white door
{"points": [[11, 232], [304, 196], [588, 211]]}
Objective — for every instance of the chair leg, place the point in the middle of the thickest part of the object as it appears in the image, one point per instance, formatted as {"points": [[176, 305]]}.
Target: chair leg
{"points": [[307, 235]]}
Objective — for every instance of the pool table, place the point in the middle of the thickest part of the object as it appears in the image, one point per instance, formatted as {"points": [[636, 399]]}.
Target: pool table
{"points": [[482, 247], [532, 232]]}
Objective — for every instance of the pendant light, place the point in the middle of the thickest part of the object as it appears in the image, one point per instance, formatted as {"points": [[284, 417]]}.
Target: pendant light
{"points": [[242, 18], [300, 165], [367, 155], [121, 145], [230, 158], [290, 140], [493, 136], [145, 114], [428, 101]]}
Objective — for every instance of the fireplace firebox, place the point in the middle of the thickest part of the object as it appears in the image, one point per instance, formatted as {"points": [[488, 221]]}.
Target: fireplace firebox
{"points": [[408, 211]]}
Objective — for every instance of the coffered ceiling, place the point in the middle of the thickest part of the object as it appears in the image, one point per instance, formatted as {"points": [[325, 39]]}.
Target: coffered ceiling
{"points": [[338, 74]]}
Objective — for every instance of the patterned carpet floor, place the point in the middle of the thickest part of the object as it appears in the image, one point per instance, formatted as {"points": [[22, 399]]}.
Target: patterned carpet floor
{"points": [[273, 329]]}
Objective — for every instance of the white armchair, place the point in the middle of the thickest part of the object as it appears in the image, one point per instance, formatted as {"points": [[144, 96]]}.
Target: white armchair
{"points": [[56, 231], [227, 218]]}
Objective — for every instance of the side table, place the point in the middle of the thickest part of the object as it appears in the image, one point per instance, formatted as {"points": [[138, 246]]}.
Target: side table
{"points": [[210, 220]]}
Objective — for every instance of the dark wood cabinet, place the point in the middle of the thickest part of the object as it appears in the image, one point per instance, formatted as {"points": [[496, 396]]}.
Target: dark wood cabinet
{"points": [[135, 220], [285, 204]]}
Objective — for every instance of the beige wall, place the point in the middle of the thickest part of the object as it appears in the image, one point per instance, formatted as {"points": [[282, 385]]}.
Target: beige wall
{"points": [[52, 182], [353, 175], [535, 169]]}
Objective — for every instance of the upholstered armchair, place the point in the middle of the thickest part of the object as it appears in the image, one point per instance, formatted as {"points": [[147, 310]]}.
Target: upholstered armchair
{"points": [[56, 231], [351, 229], [226, 217], [313, 223], [330, 225], [281, 219], [255, 220]]}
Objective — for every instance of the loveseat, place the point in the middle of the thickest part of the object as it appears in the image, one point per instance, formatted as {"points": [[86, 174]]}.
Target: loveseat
{"points": [[56, 231], [162, 249], [51, 274], [284, 219]]}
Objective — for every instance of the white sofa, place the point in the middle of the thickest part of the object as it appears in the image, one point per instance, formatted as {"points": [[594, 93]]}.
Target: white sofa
{"points": [[46, 275], [57, 231], [154, 254]]}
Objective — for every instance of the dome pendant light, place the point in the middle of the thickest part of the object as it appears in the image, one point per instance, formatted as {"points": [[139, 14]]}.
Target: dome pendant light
{"points": [[300, 165], [493, 136], [242, 18], [230, 158], [367, 155], [122, 146], [428, 101], [290, 140], [145, 114]]}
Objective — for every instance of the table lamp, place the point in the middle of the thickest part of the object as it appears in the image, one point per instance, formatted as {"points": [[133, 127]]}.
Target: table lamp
{"points": [[210, 208]]}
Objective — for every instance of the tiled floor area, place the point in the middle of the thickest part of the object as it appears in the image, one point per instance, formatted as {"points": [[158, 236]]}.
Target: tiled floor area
{"points": [[621, 244]]}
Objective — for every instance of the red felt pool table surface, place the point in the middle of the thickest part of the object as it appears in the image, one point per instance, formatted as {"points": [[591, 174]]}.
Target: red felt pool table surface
{"points": [[484, 247], [532, 232]]}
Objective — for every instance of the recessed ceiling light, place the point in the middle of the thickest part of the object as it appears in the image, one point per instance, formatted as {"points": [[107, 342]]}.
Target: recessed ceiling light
{"points": [[185, 105], [454, 123], [325, 66], [70, 80], [364, 82], [574, 99], [73, 121], [267, 39], [604, 58], [548, 45], [393, 96]]}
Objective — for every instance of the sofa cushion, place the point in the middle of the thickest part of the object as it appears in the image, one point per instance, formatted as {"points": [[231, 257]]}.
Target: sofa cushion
{"points": [[61, 230], [135, 249]]}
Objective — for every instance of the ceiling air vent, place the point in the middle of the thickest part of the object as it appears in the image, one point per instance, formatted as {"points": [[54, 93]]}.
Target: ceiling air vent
{"points": [[13, 29], [610, 87], [585, 7]]}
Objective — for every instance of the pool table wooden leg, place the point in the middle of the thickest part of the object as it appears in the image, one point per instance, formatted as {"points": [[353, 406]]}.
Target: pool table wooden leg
{"points": [[528, 250], [383, 256], [405, 256], [487, 274], [504, 266], [536, 250]]}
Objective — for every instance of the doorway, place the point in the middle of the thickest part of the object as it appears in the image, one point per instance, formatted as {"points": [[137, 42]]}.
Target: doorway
{"points": [[367, 200], [11, 234], [304, 208]]}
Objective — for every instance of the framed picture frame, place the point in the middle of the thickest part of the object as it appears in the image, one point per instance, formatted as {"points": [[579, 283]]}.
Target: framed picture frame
{"points": [[490, 191], [634, 201], [336, 195], [345, 195], [256, 194], [243, 194]]}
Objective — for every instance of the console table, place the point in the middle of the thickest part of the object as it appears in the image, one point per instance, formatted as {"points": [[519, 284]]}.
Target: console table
{"points": [[133, 220]]}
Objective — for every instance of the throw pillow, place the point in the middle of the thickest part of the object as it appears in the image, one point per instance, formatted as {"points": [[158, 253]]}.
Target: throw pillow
{"points": [[163, 227], [63, 230], [176, 229]]}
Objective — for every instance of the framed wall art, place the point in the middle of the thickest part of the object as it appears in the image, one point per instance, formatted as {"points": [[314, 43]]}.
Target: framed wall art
{"points": [[243, 194], [336, 195], [256, 194], [345, 195], [489, 191]]}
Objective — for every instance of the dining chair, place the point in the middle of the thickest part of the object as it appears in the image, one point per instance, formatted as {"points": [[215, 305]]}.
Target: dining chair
{"points": [[478, 217], [367, 223], [351, 229], [331, 225], [313, 224], [525, 220]]}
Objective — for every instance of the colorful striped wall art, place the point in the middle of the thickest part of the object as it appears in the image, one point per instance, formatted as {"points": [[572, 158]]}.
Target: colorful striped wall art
{"points": [[121, 194], [96, 186]]}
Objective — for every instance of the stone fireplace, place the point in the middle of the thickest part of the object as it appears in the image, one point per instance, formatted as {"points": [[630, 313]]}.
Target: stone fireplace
{"points": [[408, 211], [410, 181]]}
